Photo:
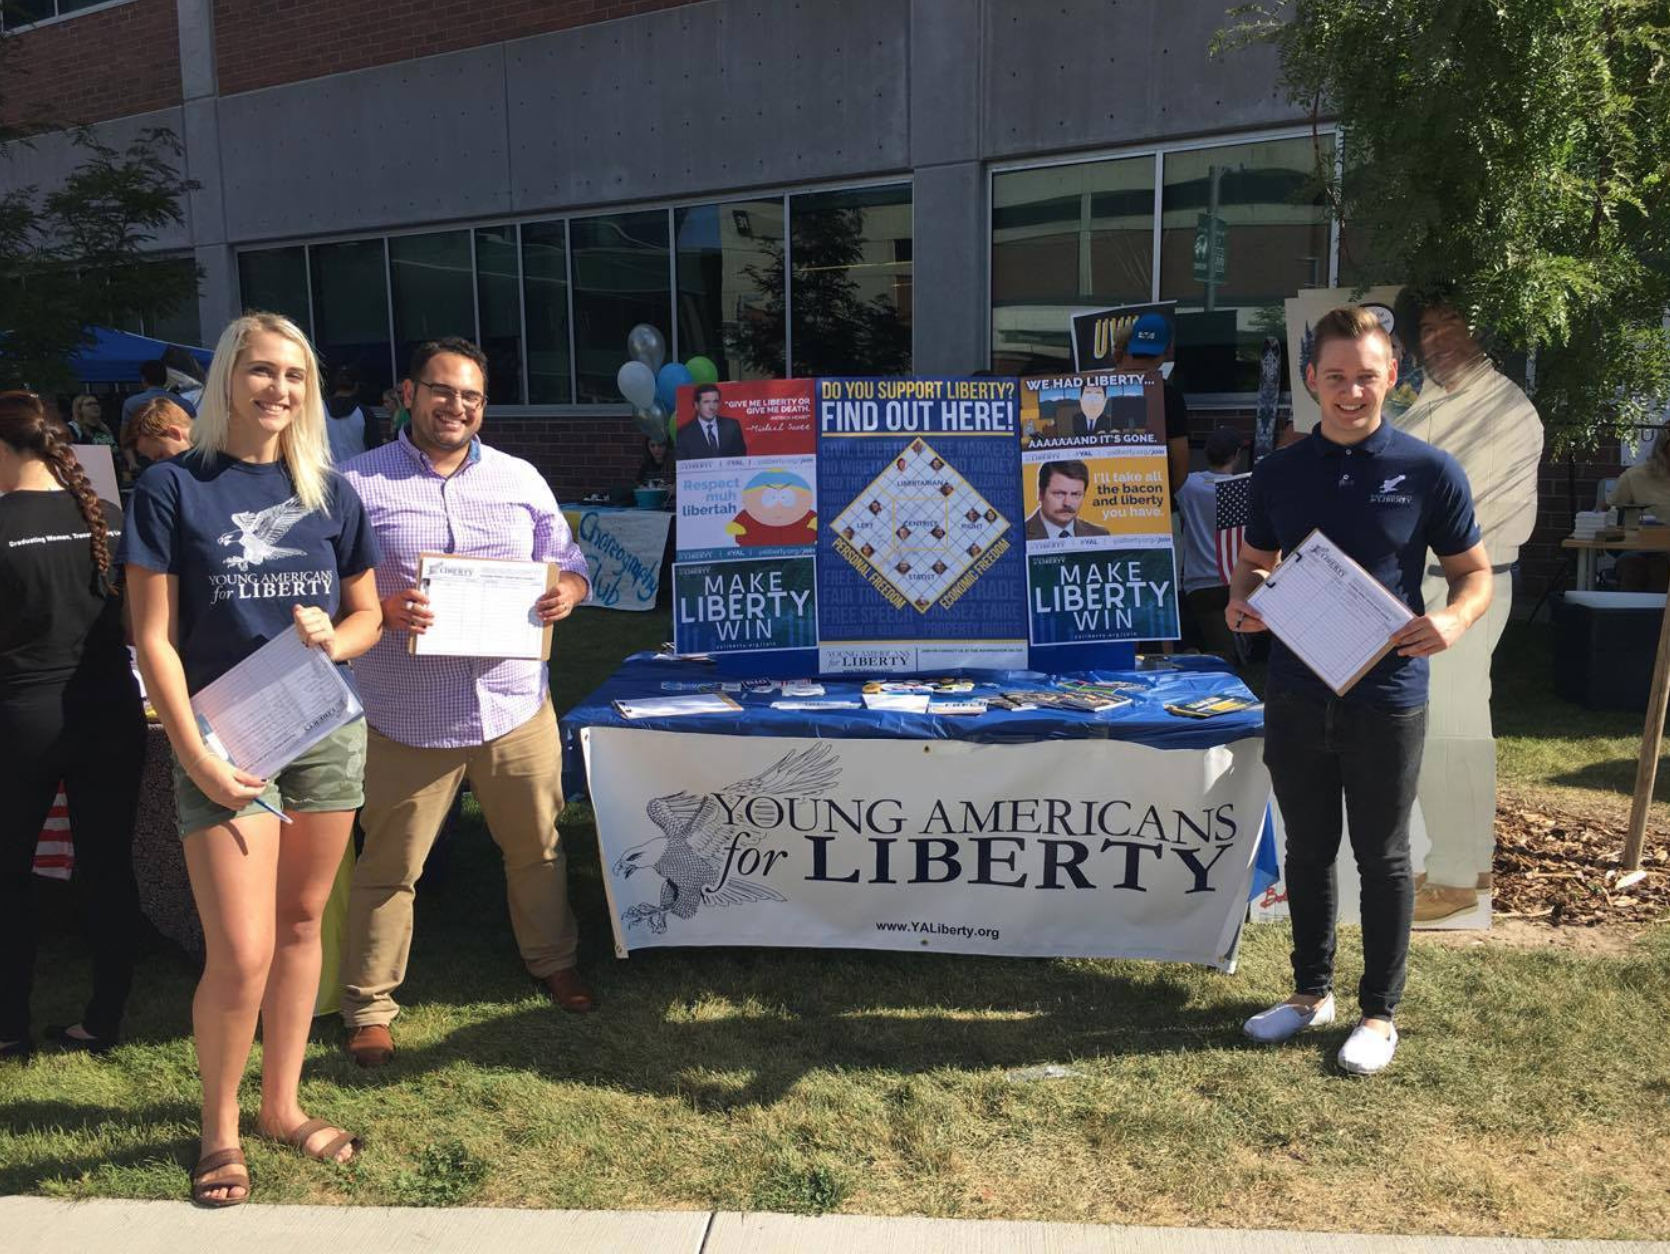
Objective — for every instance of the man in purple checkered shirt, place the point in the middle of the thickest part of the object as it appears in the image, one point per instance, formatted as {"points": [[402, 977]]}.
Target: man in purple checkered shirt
{"points": [[435, 720]]}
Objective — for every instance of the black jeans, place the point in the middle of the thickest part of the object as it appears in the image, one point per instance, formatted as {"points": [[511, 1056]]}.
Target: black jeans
{"points": [[1319, 748], [98, 751]]}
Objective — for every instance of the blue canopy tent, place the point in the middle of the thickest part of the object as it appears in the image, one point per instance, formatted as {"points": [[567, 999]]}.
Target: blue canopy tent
{"points": [[115, 356]]}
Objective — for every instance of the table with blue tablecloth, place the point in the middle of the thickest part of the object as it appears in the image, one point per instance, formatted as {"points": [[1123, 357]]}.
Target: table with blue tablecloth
{"points": [[736, 827]]}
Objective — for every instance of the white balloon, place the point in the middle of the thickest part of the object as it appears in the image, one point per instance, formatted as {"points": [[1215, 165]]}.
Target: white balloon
{"points": [[637, 383]]}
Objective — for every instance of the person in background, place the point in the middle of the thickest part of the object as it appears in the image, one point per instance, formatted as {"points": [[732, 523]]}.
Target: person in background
{"points": [[656, 467], [394, 415], [345, 422], [154, 374], [246, 537], [69, 711], [1648, 484], [87, 421], [160, 429], [1205, 592], [1149, 348], [1481, 418]]}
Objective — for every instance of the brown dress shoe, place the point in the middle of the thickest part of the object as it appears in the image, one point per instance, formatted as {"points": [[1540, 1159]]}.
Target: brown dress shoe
{"points": [[570, 992], [371, 1045]]}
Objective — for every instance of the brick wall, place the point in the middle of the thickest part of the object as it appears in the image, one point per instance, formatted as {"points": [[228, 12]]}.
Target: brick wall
{"points": [[576, 455], [333, 36], [92, 66]]}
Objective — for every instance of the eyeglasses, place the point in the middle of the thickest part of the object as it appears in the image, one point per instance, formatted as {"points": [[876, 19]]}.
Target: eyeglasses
{"points": [[446, 395]]}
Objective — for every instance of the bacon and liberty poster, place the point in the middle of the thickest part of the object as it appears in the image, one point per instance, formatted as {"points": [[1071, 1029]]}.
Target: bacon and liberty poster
{"points": [[1076, 848], [1101, 566], [919, 560]]}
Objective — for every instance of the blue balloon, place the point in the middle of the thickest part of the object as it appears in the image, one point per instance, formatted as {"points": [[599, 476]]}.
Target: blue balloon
{"points": [[667, 383]]}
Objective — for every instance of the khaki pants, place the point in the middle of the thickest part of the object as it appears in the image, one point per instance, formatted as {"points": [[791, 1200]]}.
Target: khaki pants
{"points": [[517, 780]]}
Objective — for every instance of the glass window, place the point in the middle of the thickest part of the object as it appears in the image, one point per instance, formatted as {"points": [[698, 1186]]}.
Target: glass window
{"points": [[275, 279], [545, 295], [499, 301], [1066, 238], [851, 271], [730, 286], [433, 289], [1243, 228], [350, 301], [621, 278], [23, 12]]}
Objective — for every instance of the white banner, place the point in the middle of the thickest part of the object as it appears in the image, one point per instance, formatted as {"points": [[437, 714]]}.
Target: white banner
{"points": [[623, 548], [1070, 848]]}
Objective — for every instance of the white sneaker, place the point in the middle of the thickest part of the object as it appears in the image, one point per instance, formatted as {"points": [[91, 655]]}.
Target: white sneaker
{"points": [[1366, 1052], [1279, 1023]]}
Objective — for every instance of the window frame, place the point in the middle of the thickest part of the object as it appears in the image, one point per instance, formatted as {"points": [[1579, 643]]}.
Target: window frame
{"points": [[1159, 151], [573, 408]]}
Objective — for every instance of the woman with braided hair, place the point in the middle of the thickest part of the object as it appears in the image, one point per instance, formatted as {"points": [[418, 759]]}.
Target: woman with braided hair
{"points": [[69, 711]]}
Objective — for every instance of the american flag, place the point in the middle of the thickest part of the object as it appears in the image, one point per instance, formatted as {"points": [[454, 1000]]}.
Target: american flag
{"points": [[54, 853], [1232, 501]]}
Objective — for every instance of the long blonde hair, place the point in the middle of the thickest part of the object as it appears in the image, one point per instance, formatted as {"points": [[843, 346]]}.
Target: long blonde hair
{"points": [[303, 444]]}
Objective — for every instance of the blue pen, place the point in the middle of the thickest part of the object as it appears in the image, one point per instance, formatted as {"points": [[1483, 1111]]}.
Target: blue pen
{"points": [[278, 814]]}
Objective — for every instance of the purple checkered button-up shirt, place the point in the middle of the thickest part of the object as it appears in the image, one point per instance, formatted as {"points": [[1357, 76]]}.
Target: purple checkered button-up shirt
{"points": [[494, 505]]}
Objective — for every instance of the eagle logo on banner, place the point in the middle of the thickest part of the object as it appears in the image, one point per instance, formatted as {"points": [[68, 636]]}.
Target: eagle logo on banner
{"points": [[691, 851]]}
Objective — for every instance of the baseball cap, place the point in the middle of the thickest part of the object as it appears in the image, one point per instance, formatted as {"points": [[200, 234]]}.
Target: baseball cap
{"points": [[1150, 337]]}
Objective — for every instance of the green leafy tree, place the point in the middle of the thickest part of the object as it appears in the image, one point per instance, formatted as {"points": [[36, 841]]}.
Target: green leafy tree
{"points": [[1510, 155], [835, 330], [79, 255]]}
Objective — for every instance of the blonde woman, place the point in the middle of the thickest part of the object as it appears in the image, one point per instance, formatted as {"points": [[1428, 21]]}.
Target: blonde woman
{"points": [[247, 535], [87, 421]]}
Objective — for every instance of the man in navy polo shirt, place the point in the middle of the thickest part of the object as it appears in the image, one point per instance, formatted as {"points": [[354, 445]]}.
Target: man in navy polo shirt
{"points": [[1384, 498]]}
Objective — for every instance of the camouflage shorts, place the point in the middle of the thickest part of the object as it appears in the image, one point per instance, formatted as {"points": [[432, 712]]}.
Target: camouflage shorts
{"points": [[329, 776]]}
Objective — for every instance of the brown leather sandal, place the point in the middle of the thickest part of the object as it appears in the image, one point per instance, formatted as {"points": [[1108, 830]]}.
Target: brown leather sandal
{"points": [[297, 1137], [206, 1176]]}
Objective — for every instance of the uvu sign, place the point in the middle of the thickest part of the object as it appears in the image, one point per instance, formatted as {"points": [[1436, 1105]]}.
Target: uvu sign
{"points": [[1076, 848]]}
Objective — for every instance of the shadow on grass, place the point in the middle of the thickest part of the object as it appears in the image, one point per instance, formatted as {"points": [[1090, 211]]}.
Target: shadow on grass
{"points": [[1615, 775], [29, 1175], [731, 1028]]}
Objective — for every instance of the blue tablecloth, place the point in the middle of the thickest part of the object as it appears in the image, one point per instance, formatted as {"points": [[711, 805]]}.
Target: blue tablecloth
{"points": [[1144, 721]]}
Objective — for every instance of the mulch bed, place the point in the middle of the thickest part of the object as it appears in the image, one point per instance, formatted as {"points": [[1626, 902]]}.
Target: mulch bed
{"points": [[1562, 868]]}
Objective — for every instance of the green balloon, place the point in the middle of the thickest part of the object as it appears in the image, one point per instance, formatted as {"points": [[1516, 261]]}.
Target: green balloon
{"points": [[702, 370], [672, 427]]}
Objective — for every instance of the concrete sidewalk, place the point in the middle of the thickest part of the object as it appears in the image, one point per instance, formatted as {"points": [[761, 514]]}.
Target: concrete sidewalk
{"points": [[38, 1226]]}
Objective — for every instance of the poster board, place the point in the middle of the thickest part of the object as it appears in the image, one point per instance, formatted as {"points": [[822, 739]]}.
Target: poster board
{"points": [[1096, 499], [919, 561], [747, 522]]}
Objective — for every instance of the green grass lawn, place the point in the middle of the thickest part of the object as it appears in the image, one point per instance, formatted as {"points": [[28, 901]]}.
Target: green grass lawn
{"points": [[1529, 1096]]}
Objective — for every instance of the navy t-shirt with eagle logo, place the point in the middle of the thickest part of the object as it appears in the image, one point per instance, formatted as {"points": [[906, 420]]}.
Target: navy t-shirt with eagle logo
{"points": [[1385, 501], [244, 550]]}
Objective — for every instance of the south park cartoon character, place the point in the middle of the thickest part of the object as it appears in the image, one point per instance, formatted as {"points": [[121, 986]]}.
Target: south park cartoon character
{"points": [[776, 511]]}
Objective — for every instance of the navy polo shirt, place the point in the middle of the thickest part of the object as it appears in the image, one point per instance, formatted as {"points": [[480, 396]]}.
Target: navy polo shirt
{"points": [[1385, 501]]}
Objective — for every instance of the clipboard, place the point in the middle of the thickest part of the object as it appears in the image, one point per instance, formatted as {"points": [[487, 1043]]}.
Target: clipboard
{"points": [[1361, 583], [552, 573]]}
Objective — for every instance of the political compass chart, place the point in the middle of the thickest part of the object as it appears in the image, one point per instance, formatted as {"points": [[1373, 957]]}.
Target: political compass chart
{"points": [[920, 561], [920, 526]]}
